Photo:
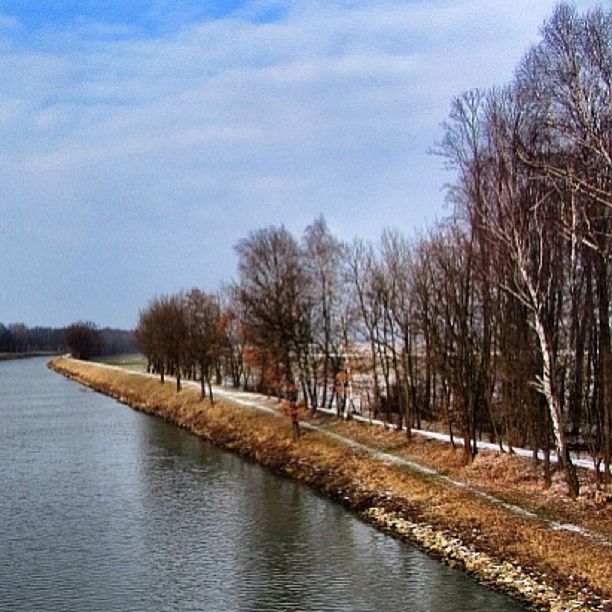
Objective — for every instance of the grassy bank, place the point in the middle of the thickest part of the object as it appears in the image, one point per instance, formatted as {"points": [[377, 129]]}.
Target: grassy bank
{"points": [[547, 568]]}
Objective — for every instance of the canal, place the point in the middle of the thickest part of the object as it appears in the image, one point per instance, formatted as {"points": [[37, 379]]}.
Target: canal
{"points": [[104, 508]]}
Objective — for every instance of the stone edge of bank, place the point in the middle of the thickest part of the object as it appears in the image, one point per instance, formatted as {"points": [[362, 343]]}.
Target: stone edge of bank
{"points": [[525, 586]]}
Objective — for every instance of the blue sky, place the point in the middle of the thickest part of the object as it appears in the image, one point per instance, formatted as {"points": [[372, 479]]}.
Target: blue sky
{"points": [[140, 140], [149, 16]]}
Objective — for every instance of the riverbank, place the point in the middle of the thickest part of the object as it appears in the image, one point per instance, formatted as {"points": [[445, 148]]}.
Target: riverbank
{"points": [[544, 567]]}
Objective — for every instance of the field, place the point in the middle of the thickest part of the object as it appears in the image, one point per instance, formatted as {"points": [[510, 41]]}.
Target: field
{"points": [[129, 361]]}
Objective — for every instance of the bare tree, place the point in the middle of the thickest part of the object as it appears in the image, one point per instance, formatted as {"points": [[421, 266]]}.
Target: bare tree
{"points": [[321, 261], [205, 334], [565, 83], [272, 290], [83, 339], [360, 264], [162, 333]]}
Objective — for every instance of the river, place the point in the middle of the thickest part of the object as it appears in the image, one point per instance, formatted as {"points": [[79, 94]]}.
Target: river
{"points": [[104, 508]]}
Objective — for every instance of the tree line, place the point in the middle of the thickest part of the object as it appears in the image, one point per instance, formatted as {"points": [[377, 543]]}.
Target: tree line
{"points": [[495, 322], [19, 338], [82, 339]]}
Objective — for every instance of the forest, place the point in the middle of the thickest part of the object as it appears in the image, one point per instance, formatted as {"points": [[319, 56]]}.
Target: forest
{"points": [[494, 323]]}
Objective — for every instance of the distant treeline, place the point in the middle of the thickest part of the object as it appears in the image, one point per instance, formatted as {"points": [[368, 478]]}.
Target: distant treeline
{"points": [[18, 338]]}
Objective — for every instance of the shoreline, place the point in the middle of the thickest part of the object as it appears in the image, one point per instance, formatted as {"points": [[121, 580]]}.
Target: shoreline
{"points": [[386, 496]]}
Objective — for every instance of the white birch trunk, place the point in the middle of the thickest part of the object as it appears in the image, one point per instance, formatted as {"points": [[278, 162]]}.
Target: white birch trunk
{"points": [[546, 380], [548, 390]]}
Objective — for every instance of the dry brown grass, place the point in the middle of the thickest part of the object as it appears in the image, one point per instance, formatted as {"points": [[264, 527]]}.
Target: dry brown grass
{"points": [[507, 476], [569, 560]]}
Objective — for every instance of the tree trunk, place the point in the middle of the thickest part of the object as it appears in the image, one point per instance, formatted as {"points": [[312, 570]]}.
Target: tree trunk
{"points": [[554, 411], [605, 360], [210, 391], [202, 386]]}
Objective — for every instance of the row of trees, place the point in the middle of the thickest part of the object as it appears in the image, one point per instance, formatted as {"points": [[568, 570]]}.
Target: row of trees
{"points": [[19, 338], [183, 335], [533, 192], [82, 339], [398, 329], [496, 322]]}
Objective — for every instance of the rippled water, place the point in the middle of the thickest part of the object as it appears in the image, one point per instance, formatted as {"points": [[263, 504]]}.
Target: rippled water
{"points": [[102, 508]]}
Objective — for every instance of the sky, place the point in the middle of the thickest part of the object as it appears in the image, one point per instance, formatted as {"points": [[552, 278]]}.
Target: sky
{"points": [[139, 141]]}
